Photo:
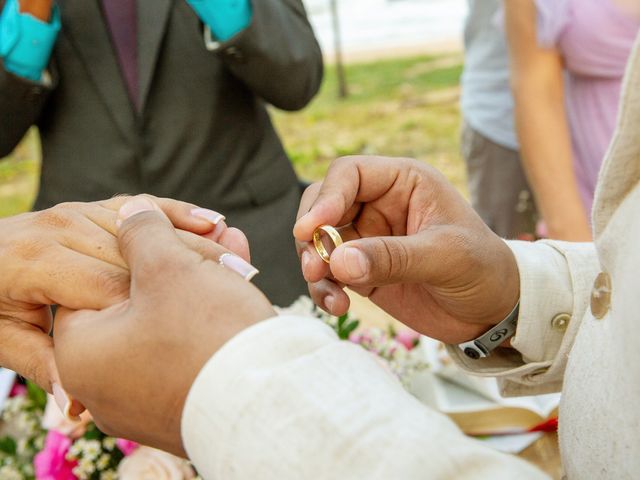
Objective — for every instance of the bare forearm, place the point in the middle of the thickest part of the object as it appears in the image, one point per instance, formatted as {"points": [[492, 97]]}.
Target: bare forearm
{"points": [[548, 160]]}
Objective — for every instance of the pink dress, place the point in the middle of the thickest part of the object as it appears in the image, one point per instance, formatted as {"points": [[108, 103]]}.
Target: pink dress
{"points": [[595, 39]]}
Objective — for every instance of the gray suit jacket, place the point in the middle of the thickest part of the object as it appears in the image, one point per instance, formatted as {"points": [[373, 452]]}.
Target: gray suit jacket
{"points": [[203, 134]]}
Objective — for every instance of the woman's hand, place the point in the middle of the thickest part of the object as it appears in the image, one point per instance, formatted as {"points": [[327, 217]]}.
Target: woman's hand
{"points": [[133, 364], [416, 249], [68, 255]]}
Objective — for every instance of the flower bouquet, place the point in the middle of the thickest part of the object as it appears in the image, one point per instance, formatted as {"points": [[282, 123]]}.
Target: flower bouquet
{"points": [[38, 443]]}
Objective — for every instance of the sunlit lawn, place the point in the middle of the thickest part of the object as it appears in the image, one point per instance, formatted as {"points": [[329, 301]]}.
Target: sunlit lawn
{"points": [[401, 107]]}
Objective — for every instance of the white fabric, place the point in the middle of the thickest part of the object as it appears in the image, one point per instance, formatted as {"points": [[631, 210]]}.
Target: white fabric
{"points": [[286, 399]]}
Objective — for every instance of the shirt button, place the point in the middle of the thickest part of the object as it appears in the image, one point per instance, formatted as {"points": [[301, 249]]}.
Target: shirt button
{"points": [[560, 322], [601, 296]]}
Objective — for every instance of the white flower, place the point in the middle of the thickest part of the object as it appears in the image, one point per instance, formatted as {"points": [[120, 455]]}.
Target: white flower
{"points": [[147, 463], [91, 449], [103, 461], [109, 475], [10, 473], [109, 443]]}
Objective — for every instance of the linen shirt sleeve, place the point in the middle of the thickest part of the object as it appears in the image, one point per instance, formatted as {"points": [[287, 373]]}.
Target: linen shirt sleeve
{"points": [[225, 18], [26, 42], [555, 283], [286, 399]]}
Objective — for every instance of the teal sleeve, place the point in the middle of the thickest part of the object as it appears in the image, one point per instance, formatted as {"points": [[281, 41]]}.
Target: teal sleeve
{"points": [[225, 18], [26, 42]]}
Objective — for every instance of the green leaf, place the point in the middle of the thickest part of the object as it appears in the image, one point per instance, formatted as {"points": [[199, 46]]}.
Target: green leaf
{"points": [[36, 395], [8, 445], [348, 329], [93, 433], [341, 320]]}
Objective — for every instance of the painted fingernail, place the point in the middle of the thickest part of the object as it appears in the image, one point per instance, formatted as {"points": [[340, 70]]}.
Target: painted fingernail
{"points": [[356, 263], [208, 215], [238, 265], [134, 206], [63, 401], [329, 301]]}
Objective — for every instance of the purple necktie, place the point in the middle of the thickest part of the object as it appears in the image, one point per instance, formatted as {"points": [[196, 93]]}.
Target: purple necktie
{"points": [[122, 19]]}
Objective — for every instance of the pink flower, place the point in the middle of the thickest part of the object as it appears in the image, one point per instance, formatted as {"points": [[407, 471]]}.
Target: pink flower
{"points": [[408, 338], [51, 463], [126, 446], [18, 390]]}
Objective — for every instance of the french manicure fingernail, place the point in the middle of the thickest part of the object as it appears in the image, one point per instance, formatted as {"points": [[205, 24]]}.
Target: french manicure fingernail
{"points": [[134, 206], [208, 215], [238, 265], [62, 400], [356, 263]]}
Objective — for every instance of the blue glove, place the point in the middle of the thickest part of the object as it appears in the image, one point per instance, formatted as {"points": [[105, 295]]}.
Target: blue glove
{"points": [[26, 42], [225, 18]]}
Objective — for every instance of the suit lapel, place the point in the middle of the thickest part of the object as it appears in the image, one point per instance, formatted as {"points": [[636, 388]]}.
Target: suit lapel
{"points": [[153, 17], [83, 22]]}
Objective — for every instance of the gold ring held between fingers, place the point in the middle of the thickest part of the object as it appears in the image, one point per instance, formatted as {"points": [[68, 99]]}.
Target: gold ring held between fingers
{"points": [[317, 240]]}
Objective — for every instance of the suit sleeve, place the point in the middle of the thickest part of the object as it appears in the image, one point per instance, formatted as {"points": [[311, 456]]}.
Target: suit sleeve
{"points": [[286, 399], [21, 103], [556, 279], [25, 47], [277, 56]]}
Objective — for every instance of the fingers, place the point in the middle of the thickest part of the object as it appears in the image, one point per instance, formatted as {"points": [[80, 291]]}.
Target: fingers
{"points": [[329, 296], [153, 249], [183, 215], [150, 244], [28, 351], [350, 181], [378, 261]]}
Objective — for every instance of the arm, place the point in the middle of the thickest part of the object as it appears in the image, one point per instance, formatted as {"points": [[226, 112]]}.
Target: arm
{"points": [[285, 399], [541, 122], [562, 274], [247, 394], [28, 31], [276, 55]]}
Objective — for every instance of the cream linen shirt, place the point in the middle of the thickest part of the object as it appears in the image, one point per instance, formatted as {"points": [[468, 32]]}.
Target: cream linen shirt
{"points": [[286, 400]]}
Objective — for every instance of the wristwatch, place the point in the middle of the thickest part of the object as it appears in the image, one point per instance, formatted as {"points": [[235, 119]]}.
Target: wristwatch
{"points": [[482, 346]]}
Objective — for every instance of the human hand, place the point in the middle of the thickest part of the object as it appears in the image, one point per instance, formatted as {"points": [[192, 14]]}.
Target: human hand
{"points": [[41, 9], [415, 248], [133, 364], [69, 255]]}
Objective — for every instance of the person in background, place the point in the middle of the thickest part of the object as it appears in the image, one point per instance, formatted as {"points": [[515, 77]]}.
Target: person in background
{"points": [[497, 182], [568, 58], [166, 97]]}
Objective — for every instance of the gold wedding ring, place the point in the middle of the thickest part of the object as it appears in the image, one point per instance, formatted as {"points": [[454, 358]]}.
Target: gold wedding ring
{"points": [[317, 240]]}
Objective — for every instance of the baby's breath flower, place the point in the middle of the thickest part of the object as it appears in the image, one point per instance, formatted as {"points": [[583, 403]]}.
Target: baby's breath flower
{"points": [[103, 461], [9, 472], [109, 443], [91, 449], [109, 475]]}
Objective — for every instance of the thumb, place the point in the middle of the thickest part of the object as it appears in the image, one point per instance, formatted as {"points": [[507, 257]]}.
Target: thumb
{"points": [[149, 243], [379, 261]]}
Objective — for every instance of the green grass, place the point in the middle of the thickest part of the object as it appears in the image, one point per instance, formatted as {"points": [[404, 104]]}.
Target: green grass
{"points": [[400, 107]]}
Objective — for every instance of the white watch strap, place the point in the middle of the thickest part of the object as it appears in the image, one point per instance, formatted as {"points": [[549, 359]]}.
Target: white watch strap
{"points": [[482, 346]]}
